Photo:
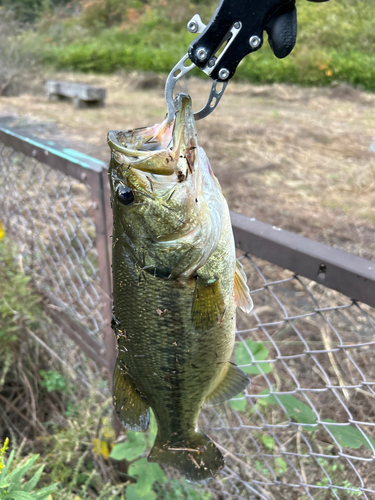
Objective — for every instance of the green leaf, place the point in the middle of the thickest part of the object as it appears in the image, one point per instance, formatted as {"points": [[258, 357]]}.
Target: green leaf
{"points": [[17, 495], [131, 494], [4, 483], [34, 480], [16, 475], [268, 441], [348, 436], [175, 490], [295, 409], [238, 404], [53, 381], [281, 466], [131, 449], [45, 492], [259, 353], [147, 473], [7, 465]]}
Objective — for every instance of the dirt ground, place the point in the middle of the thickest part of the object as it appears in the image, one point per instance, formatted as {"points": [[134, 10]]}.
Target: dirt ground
{"points": [[296, 158]]}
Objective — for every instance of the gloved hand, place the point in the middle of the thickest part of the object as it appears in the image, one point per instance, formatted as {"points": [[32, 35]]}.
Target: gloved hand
{"points": [[282, 29]]}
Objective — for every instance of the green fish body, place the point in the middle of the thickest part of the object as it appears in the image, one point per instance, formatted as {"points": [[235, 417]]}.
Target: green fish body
{"points": [[176, 285]]}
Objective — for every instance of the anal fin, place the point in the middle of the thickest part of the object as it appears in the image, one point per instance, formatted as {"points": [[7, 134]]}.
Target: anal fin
{"points": [[242, 296], [131, 409], [232, 382]]}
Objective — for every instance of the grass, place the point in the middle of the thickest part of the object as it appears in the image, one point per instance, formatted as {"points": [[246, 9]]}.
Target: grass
{"points": [[335, 44]]}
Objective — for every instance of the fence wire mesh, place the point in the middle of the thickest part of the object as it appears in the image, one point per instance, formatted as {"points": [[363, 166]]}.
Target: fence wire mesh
{"points": [[49, 216], [304, 428]]}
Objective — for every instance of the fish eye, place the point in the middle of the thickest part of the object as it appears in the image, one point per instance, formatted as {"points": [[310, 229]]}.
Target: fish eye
{"points": [[125, 195]]}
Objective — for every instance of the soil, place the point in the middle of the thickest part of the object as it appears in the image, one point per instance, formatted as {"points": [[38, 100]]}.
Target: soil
{"points": [[296, 158]]}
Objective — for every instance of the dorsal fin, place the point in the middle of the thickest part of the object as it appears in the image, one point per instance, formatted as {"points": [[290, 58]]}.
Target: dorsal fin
{"points": [[232, 382], [242, 297]]}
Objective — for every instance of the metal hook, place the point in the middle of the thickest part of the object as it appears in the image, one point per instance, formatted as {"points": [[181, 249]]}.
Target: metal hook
{"points": [[179, 71], [213, 101]]}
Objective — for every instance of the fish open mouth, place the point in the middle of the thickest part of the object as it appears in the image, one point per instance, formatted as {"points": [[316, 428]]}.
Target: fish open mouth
{"points": [[157, 149]]}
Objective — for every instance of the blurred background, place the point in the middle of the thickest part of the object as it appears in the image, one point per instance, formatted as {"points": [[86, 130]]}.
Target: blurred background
{"points": [[290, 143]]}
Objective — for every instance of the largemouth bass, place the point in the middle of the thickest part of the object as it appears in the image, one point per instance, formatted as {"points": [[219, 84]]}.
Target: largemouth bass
{"points": [[176, 285]]}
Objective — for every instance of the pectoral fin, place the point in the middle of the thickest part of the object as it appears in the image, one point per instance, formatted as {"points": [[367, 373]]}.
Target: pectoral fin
{"points": [[242, 296], [232, 382], [132, 411], [208, 305]]}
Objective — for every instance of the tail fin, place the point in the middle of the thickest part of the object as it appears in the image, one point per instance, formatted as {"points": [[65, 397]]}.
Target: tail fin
{"points": [[194, 456]]}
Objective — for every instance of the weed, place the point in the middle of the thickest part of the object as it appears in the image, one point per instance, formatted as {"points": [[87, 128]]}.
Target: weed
{"points": [[12, 486], [53, 381], [332, 469]]}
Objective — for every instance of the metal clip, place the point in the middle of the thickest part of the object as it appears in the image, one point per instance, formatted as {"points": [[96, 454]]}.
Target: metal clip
{"points": [[213, 101], [179, 71]]}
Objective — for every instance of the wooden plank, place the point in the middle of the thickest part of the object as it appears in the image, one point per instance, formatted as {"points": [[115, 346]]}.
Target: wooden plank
{"points": [[75, 91]]}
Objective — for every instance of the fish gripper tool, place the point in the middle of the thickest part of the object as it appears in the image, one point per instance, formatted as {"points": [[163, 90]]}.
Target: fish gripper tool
{"points": [[235, 30]]}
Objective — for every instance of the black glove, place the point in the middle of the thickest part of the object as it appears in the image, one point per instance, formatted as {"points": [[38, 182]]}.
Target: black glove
{"points": [[282, 29]]}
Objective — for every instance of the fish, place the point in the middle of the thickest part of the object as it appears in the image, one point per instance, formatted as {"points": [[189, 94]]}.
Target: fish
{"points": [[176, 286]]}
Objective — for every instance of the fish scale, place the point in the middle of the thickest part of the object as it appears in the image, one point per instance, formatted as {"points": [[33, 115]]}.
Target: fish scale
{"points": [[176, 284], [182, 349]]}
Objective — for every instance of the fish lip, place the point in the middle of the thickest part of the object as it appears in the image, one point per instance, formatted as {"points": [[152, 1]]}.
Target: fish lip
{"points": [[130, 147], [184, 131]]}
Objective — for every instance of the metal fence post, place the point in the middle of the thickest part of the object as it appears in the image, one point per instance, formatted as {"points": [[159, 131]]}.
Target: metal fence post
{"points": [[100, 193]]}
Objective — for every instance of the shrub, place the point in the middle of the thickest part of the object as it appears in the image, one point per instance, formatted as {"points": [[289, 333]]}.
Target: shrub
{"points": [[335, 42]]}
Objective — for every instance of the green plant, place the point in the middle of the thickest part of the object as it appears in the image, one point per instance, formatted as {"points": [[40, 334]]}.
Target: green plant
{"points": [[176, 490], [333, 469], [53, 381], [133, 450], [248, 353], [24, 327], [64, 418], [11, 485], [29, 10]]}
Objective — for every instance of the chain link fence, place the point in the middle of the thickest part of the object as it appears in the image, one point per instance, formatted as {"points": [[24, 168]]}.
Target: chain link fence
{"points": [[304, 428], [50, 217]]}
